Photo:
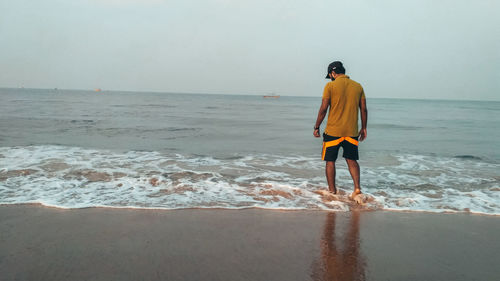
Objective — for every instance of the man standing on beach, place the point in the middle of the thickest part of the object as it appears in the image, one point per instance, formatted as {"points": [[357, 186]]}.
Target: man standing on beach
{"points": [[344, 97]]}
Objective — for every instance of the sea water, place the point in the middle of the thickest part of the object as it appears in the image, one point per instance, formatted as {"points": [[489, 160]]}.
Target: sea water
{"points": [[77, 149]]}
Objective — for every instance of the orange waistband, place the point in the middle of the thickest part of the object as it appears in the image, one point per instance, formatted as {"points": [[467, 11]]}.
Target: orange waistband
{"points": [[339, 140]]}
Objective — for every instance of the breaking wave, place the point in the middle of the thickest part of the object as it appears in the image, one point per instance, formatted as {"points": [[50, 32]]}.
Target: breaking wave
{"points": [[73, 177]]}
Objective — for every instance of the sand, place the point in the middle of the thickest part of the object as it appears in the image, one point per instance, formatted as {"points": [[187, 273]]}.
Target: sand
{"points": [[41, 243]]}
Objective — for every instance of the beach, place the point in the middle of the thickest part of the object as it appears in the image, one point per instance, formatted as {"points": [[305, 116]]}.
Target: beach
{"points": [[182, 140], [42, 243]]}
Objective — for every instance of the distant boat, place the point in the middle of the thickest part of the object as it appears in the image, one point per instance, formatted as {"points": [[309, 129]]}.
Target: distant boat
{"points": [[271, 96], [98, 90]]}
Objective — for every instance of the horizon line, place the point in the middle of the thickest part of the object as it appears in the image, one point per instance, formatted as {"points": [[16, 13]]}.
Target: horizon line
{"points": [[233, 94]]}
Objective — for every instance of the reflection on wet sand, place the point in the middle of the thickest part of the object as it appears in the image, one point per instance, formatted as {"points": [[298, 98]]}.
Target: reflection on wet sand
{"points": [[340, 260]]}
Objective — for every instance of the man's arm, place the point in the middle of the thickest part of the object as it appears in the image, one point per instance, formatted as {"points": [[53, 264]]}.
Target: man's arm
{"points": [[325, 103], [364, 119]]}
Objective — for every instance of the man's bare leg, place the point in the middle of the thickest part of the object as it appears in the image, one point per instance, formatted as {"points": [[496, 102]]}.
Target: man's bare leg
{"points": [[330, 176], [354, 170]]}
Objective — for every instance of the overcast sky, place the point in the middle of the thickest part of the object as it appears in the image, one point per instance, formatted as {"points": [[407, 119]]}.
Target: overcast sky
{"points": [[401, 49]]}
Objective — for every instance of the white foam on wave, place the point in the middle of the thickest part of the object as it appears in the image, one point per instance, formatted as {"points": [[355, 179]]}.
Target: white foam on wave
{"points": [[72, 177], [436, 184]]}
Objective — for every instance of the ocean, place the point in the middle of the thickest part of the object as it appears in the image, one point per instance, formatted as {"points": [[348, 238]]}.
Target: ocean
{"points": [[79, 149]]}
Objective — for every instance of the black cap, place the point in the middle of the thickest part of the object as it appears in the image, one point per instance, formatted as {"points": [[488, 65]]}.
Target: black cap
{"points": [[336, 65]]}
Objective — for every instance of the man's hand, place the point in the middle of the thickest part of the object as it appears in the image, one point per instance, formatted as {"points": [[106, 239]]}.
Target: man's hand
{"points": [[316, 133], [362, 134]]}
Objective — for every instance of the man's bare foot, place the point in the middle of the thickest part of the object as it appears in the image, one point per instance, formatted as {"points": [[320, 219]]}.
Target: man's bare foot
{"points": [[356, 192], [334, 191]]}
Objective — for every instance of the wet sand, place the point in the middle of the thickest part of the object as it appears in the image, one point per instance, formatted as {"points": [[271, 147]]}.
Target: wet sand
{"points": [[40, 243]]}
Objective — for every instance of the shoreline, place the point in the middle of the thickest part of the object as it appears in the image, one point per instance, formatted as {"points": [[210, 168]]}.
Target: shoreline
{"points": [[253, 208], [45, 243]]}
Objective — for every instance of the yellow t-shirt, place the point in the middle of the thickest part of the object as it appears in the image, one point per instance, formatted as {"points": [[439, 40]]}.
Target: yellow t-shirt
{"points": [[344, 95]]}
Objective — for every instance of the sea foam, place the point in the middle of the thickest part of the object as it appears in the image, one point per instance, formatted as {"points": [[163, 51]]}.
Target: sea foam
{"points": [[73, 177]]}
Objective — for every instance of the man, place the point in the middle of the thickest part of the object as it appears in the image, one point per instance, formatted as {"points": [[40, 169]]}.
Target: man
{"points": [[345, 97]]}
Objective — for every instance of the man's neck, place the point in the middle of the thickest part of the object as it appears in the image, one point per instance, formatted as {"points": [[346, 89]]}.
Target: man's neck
{"points": [[335, 76]]}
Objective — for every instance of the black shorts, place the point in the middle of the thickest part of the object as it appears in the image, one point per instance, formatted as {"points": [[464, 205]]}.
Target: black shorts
{"points": [[331, 147]]}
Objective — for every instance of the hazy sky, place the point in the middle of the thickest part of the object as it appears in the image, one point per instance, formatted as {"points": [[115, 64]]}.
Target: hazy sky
{"points": [[404, 49]]}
